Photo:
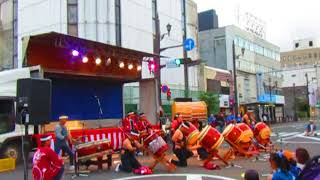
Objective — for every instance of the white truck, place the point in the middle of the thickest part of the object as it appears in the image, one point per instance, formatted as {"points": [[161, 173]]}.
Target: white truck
{"points": [[10, 131]]}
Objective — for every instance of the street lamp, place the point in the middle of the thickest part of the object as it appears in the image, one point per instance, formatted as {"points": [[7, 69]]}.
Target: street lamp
{"points": [[169, 26]]}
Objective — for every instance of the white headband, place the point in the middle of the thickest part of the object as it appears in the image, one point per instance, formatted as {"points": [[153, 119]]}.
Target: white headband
{"points": [[46, 138]]}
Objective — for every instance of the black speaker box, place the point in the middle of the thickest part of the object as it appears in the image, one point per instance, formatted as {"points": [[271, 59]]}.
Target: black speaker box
{"points": [[35, 96]]}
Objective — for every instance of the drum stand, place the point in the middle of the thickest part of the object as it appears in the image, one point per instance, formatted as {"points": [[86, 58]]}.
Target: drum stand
{"points": [[246, 152], [77, 173], [213, 154], [164, 161]]}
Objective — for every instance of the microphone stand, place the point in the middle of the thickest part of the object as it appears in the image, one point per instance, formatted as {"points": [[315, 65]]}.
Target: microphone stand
{"points": [[100, 110]]}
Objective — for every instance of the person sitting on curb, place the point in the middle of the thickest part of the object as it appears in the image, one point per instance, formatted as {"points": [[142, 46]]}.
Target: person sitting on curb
{"points": [[310, 129]]}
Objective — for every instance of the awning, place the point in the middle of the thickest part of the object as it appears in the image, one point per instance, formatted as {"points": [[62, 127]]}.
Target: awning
{"points": [[53, 52]]}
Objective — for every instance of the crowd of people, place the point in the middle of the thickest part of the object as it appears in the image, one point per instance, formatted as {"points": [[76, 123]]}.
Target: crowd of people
{"points": [[220, 120], [288, 165], [47, 163]]}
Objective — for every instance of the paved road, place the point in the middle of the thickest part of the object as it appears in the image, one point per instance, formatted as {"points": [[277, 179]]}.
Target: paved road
{"points": [[288, 136]]}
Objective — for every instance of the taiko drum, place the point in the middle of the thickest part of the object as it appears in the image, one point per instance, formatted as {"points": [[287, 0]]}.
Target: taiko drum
{"points": [[233, 133], [246, 131], [191, 133], [210, 138]]}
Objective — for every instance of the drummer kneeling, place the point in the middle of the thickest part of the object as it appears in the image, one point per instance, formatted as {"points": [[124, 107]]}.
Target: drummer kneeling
{"points": [[46, 163], [180, 146], [128, 159]]}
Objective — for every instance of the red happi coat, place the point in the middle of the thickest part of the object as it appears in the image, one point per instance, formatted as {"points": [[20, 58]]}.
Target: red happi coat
{"points": [[46, 164]]}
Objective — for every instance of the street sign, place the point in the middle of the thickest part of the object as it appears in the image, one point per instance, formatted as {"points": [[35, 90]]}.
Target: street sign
{"points": [[188, 44], [172, 64]]}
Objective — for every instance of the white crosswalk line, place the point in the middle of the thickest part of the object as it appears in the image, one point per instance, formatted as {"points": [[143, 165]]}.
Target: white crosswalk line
{"points": [[285, 134]]}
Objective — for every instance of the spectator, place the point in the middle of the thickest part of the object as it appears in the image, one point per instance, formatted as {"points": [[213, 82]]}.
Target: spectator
{"points": [[239, 118], [294, 169], [265, 117], [310, 129], [230, 118], [212, 120], [220, 121], [251, 175], [302, 157], [280, 166]]}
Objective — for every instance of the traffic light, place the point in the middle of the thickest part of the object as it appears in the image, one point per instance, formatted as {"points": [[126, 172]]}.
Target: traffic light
{"points": [[178, 61], [168, 94], [152, 66]]}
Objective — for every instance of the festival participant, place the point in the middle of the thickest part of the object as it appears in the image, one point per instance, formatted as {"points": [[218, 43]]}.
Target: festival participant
{"points": [[310, 129], [246, 119], [143, 123], [180, 147], [280, 166], [62, 138], [128, 159], [129, 123], [176, 122], [302, 157], [46, 163]]}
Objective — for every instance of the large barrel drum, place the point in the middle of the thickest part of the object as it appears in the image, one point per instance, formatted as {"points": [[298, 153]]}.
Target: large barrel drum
{"points": [[210, 138]]}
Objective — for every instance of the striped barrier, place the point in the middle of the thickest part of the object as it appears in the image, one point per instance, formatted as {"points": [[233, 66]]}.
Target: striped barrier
{"points": [[115, 135]]}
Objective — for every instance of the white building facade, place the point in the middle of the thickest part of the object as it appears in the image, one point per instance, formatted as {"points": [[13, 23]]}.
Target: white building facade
{"points": [[126, 23]]}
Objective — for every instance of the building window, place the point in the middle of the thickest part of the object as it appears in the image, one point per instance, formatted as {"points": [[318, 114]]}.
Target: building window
{"points": [[315, 55], [72, 10], [118, 21], [310, 43], [296, 45], [310, 55]]}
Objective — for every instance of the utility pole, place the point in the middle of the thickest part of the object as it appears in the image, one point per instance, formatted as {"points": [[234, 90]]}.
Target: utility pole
{"points": [[236, 106], [157, 73], [308, 103], [294, 102], [185, 54], [270, 96]]}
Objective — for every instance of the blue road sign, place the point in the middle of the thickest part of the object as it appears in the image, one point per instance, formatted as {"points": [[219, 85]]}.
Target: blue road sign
{"points": [[188, 44]]}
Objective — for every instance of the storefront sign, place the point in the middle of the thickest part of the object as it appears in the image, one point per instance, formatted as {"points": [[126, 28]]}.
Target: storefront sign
{"points": [[224, 101]]}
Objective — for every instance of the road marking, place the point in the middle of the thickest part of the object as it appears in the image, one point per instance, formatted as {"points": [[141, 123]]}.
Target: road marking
{"points": [[299, 142], [194, 177], [284, 134], [183, 175]]}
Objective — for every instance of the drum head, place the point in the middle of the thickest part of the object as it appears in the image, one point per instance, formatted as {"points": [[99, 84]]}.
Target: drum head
{"points": [[204, 132], [218, 143], [227, 130]]}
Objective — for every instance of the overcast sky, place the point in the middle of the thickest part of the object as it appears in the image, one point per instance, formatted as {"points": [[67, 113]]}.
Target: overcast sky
{"points": [[286, 19]]}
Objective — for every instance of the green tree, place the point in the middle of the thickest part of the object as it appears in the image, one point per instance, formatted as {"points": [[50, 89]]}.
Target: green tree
{"points": [[212, 101]]}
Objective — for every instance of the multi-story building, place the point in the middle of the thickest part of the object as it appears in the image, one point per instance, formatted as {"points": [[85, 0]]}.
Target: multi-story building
{"points": [[257, 61], [127, 23], [301, 74], [300, 87], [306, 43], [298, 58]]}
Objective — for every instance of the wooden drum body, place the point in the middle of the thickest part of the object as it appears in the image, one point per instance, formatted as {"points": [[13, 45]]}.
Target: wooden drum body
{"points": [[233, 134], [155, 144], [262, 133], [246, 131], [210, 138]]}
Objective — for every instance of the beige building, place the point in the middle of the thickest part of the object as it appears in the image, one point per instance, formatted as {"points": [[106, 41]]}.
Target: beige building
{"points": [[300, 58]]}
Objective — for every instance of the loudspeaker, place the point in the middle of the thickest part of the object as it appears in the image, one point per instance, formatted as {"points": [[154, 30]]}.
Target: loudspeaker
{"points": [[34, 97], [183, 99]]}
